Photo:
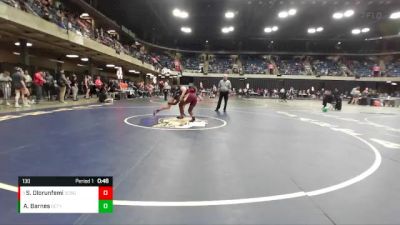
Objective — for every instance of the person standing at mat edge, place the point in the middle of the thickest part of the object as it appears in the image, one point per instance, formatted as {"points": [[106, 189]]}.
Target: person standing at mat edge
{"points": [[224, 87]]}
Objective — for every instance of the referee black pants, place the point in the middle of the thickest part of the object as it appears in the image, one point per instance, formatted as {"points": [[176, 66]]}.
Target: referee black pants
{"points": [[225, 95]]}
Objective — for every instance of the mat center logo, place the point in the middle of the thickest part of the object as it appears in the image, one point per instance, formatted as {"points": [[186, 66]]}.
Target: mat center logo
{"points": [[173, 122]]}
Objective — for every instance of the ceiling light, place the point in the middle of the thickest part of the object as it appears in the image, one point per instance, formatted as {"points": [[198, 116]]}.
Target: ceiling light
{"points": [[356, 31], [17, 44], [348, 13], [186, 29], [227, 29], [132, 71], [16, 53], [184, 15], [271, 42], [111, 31], [176, 12], [110, 65], [292, 12], [268, 30], [365, 30], [274, 28], [180, 13], [311, 30], [283, 14], [28, 44], [394, 84], [72, 56], [85, 59], [80, 65], [339, 43], [319, 29], [206, 41], [84, 15], [337, 15], [395, 15], [100, 69], [56, 60], [229, 14]]}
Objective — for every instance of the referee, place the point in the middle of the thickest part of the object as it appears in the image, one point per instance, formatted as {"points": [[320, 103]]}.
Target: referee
{"points": [[224, 86]]}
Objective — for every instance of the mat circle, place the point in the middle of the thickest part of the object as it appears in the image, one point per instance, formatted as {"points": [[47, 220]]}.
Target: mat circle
{"points": [[148, 121]]}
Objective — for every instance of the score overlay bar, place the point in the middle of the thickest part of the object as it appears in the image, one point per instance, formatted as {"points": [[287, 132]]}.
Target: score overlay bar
{"points": [[65, 195]]}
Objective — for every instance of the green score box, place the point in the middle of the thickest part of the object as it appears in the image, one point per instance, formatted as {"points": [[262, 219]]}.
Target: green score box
{"points": [[105, 206]]}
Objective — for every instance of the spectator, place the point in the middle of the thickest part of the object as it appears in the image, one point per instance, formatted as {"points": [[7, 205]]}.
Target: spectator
{"points": [[166, 90], [28, 84], [49, 85], [327, 98], [18, 84], [62, 83], [355, 93], [38, 80], [74, 87], [5, 85], [103, 95], [98, 83], [150, 89], [68, 90], [86, 85], [282, 95]]}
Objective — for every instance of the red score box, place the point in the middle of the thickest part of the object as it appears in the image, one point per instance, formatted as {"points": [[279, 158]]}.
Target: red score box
{"points": [[105, 193]]}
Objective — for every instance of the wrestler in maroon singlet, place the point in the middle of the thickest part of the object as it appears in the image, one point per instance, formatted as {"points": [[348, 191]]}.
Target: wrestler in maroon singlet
{"points": [[189, 98]]}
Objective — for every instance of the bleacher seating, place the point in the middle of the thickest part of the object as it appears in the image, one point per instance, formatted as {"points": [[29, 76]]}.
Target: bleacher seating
{"points": [[393, 69], [253, 65], [191, 63], [220, 64], [67, 17], [325, 67]]}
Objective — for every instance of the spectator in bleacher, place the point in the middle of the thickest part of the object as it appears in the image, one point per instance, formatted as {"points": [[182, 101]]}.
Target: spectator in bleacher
{"points": [[74, 87], [5, 85], [38, 81], [224, 87], [271, 68], [18, 84], [62, 83]]}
